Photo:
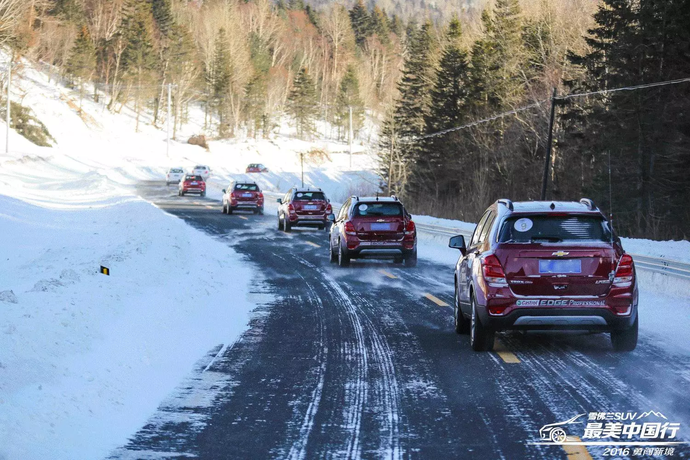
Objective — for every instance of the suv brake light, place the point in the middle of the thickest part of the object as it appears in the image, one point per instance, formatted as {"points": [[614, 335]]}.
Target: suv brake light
{"points": [[291, 208], [410, 228], [350, 228], [329, 208], [493, 271], [624, 272]]}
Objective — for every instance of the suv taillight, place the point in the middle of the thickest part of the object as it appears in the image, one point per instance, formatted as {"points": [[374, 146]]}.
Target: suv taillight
{"points": [[291, 208], [410, 228], [329, 208], [350, 228], [624, 272], [493, 271]]}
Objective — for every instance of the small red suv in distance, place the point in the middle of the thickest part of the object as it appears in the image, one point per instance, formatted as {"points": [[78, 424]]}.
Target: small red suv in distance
{"points": [[243, 195], [373, 227], [303, 207], [544, 265], [256, 168], [191, 184]]}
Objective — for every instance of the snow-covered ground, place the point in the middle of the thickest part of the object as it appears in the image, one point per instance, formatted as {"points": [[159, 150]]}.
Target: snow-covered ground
{"points": [[85, 358]]}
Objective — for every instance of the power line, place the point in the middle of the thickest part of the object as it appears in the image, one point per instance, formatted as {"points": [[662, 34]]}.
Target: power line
{"points": [[626, 88], [539, 103]]}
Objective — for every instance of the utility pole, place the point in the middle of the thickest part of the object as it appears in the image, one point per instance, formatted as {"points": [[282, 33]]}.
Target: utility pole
{"points": [[549, 142], [7, 119], [301, 160], [351, 135], [169, 116]]}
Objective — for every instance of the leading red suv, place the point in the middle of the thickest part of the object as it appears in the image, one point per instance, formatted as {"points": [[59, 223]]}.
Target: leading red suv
{"points": [[544, 265], [303, 207], [373, 228], [243, 195], [191, 183]]}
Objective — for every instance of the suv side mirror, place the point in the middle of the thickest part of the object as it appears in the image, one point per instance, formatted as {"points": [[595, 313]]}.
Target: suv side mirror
{"points": [[279, 200], [458, 242], [224, 192], [331, 217]]}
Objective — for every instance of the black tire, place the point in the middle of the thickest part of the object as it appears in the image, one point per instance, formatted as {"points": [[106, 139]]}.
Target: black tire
{"points": [[230, 209], [225, 211], [411, 259], [462, 324], [261, 211], [167, 184], [625, 340], [398, 260], [332, 256], [481, 339], [181, 193], [321, 227], [286, 225], [203, 193], [343, 258], [280, 223]]}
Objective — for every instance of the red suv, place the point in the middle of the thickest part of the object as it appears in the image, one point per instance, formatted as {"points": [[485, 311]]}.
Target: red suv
{"points": [[243, 195], [303, 207], [191, 184], [373, 228], [544, 265]]}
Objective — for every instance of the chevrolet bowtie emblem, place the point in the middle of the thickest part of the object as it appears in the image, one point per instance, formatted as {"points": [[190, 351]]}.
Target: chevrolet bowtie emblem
{"points": [[560, 253], [381, 220]]}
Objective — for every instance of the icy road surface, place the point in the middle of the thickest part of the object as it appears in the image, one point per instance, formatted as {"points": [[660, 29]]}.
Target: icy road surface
{"points": [[363, 362]]}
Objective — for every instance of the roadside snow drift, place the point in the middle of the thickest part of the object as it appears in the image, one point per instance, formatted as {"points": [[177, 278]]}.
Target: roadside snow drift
{"points": [[85, 358]]}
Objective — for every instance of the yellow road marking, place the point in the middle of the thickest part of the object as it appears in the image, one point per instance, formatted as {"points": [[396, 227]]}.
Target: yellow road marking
{"points": [[243, 217], [576, 452], [312, 244], [388, 274], [436, 300], [503, 352]]}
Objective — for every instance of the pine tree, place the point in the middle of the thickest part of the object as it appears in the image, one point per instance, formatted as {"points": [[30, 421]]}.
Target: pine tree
{"points": [[302, 104], [81, 63], [448, 109], [139, 55], [221, 83], [412, 107], [497, 59], [348, 97], [380, 26], [361, 23]]}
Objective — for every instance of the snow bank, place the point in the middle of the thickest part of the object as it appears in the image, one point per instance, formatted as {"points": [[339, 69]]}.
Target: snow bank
{"points": [[86, 358]]}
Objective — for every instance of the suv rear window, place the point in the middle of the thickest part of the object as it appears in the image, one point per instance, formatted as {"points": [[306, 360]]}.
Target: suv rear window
{"points": [[553, 229], [190, 177], [309, 196], [378, 209], [250, 187], [176, 171]]}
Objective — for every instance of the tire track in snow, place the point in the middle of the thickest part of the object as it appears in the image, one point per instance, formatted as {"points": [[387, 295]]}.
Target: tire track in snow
{"points": [[298, 451], [377, 354]]}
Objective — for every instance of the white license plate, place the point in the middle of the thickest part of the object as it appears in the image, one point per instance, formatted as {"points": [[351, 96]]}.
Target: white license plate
{"points": [[247, 195], [310, 207], [195, 183]]}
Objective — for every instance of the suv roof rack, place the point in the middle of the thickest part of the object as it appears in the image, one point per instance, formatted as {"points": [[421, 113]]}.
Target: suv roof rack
{"points": [[589, 203], [507, 203], [394, 197], [355, 197]]}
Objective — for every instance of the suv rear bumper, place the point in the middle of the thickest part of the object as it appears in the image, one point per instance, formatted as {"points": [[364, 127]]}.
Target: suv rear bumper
{"points": [[246, 205], [297, 220], [379, 251], [592, 319]]}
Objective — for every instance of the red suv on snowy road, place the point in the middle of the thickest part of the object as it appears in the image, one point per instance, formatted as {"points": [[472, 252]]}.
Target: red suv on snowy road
{"points": [[303, 207], [544, 265], [191, 184], [374, 227], [243, 195]]}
